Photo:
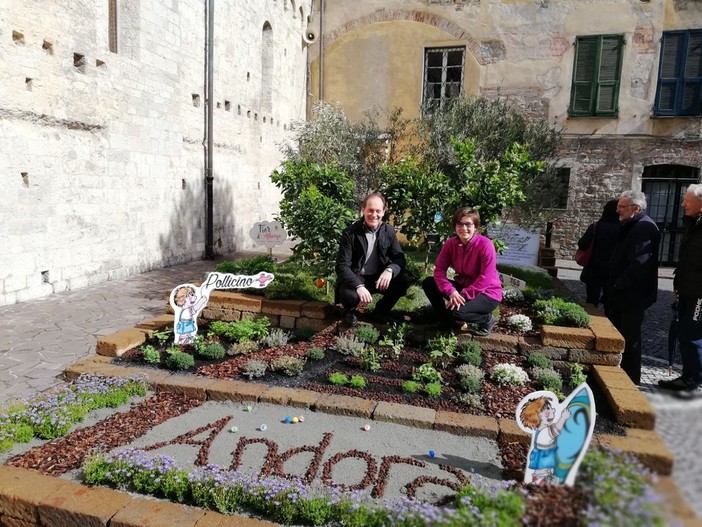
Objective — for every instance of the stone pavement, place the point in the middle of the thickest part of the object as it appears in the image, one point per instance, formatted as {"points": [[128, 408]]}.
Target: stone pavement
{"points": [[39, 338]]}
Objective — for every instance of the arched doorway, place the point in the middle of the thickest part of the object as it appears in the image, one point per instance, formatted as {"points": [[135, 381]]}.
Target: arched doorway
{"points": [[665, 186]]}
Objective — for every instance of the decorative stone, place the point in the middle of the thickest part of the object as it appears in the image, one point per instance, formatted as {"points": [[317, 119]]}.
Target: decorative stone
{"points": [[288, 419], [366, 427], [301, 418], [234, 429], [247, 408], [263, 428], [432, 453], [295, 420]]}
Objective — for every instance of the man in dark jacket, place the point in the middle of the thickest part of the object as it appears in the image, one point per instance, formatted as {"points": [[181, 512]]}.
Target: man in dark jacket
{"points": [[370, 260], [633, 276], [688, 286]]}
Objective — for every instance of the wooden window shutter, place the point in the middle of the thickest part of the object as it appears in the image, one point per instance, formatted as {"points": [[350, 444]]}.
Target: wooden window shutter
{"points": [[609, 72], [582, 93], [692, 88]]}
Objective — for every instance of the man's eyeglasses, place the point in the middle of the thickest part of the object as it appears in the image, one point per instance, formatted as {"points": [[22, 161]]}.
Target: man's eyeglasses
{"points": [[625, 206], [464, 224]]}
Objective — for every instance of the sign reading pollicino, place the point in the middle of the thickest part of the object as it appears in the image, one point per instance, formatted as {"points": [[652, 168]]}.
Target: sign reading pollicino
{"points": [[188, 300]]}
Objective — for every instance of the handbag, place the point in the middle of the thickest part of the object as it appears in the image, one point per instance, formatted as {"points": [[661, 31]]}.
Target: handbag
{"points": [[582, 256]]}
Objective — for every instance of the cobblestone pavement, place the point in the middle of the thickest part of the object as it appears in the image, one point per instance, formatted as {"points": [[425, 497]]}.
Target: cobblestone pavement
{"points": [[39, 338]]}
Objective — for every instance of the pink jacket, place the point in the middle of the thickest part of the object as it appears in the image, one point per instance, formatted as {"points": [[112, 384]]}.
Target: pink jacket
{"points": [[475, 264]]}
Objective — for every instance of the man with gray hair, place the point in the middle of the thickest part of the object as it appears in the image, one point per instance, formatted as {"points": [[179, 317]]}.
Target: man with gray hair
{"points": [[633, 276], [688, 287]]}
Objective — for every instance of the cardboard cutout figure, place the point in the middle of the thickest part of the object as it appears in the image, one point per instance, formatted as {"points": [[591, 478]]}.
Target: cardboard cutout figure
{"points": [[561, 434], [188, 300]]}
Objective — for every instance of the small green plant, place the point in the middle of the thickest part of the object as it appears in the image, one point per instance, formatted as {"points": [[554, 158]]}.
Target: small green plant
{"points": [[559, 312], [151, 354], [548, 379], [212, 351], [470, 378], [509, 375], [426, 373], [289, 365], [504, 507], [395, 338], [249, 266], [472, 400], [242, 348], [367, 334], [370, 359], [442, 349], [349, 345], [511, 295], [577, 375], [470, 352], [411, 386], [538, 360], [519, 322], [315, 354], [254, 369], [304, 334], [179, 360], [239, 330], [163, 336], [277, 338], [357, 381], [338, 378], [433, 389]]}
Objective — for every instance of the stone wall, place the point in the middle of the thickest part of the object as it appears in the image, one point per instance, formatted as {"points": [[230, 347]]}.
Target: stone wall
{"points": [[102, 152]]}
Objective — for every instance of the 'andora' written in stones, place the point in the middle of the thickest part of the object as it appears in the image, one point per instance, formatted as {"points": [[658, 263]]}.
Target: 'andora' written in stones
{"points": [[372, 475]]}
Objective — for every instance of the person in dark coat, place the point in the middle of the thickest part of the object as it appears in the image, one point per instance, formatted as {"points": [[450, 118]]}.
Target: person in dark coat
{"points": [[603, 235], [633, 276], [687, 283], [370, 260]]}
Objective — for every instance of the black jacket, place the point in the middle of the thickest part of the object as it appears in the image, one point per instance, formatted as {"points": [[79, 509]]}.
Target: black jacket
{"points": [[633, 268], [352, 253], [688, 273], [604, 236]]}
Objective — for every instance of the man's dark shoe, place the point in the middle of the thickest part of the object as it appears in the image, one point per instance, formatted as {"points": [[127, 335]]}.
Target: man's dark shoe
{"points": [[692, 392], [351, 318], [675, 385], [483, 330]]}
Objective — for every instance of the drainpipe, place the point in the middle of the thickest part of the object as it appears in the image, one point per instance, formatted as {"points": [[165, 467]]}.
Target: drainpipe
{"points": [[321, 50], [209, 175]]}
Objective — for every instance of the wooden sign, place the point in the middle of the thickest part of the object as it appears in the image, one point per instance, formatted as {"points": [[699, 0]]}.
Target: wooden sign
{"points": [[268, 233], [511, 281]]}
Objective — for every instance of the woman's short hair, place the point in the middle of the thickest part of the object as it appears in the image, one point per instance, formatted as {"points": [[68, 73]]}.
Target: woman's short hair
{"points": [[473, 214]]}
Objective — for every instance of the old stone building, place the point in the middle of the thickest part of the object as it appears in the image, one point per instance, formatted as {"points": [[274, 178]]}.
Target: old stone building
{"points": [[622, 79], [104, 132]]}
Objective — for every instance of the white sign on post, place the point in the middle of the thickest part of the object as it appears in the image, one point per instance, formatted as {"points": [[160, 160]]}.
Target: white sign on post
{"points": [[522, 245], [268, 233]]}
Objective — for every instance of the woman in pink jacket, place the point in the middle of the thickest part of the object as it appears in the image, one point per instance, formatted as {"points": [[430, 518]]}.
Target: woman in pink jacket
{"points": [[475, 290]]}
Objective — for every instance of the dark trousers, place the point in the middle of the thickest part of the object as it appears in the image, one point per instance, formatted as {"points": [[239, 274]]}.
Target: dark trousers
{"points": [[628, 322], [477, 310], [399, 284], [690, 337], [593, 291]]}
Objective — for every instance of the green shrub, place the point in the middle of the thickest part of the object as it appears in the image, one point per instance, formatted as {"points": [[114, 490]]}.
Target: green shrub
{"points": [[548, 379], [470, 378], [349, 345], [577, 375], [433, 389], [212, 351], [442, 349], [23, 433], [315, 354], [472, 400], [297, 285], [254, 369], [504, 507], [367, 334], [277, 338], [244, 329], [357, 381], [509, 375], [538, 360], [249, 266], [179, 360], [338, 378], [411, 386], [426, 373], [304, 334], [370, 359], [151, 354], [243, 348], [560, 312], [470, 352], [289, 365]]}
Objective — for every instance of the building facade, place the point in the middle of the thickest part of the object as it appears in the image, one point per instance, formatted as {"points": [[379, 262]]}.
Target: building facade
{"points": [[104, 132], [622, 80]]}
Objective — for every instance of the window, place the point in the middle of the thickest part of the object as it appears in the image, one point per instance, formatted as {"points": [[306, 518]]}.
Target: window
{"points": [[557, 189], [443, 75], [598, 62], [680, 74]]}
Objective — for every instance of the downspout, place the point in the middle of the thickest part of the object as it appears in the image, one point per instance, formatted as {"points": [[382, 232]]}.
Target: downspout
{"points": [[209, 175], [321, 50]]}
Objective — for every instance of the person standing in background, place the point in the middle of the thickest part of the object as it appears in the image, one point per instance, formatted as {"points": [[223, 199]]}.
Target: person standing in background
{"points": [[603, 234], [633, 277], [687, 283]]}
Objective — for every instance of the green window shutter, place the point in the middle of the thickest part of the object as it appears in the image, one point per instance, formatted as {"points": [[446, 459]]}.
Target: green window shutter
{"points": [[582, 93], [609, 72], [596, 75]]}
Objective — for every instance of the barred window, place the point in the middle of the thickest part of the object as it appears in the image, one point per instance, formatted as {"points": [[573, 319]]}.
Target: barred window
{"points": [[443, 75]]}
